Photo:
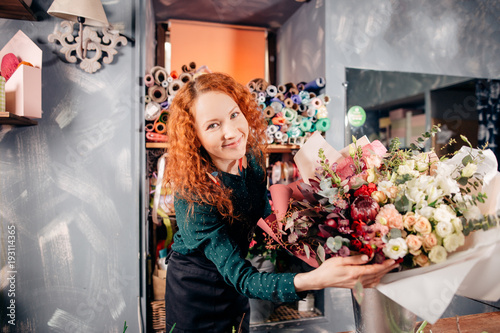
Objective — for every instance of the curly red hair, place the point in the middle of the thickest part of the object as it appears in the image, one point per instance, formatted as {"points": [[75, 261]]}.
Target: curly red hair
{"points": [[188, 163]]}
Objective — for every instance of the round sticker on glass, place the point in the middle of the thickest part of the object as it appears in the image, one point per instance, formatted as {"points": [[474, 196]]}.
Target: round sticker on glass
{"points": [[356, 116]]}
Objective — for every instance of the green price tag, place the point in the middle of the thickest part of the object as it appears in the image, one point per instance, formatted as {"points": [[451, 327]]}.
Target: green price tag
{"points": [[356, 116]]}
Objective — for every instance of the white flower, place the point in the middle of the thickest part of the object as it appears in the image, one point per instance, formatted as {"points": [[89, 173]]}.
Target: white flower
{"points": [[453, 241], [426, 211], [469, 170], [472, 212], [457, 224], [444, 228], [433, 193], [396, 248], [408, 168], [438, 254], [444, 213]]}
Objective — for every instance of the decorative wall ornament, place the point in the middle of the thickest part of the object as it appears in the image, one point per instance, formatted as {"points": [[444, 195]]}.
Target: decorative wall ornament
{"points": [[75, 49]]}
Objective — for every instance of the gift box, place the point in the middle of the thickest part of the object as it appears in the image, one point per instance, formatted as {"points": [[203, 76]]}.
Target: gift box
{"points": [[23, 90]]}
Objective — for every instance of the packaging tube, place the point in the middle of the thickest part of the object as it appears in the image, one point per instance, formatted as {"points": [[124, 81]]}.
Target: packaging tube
{"points": [[164, 84], [316, 102], [294, 131], [311, 112], [157, 94], [251, 86], [281, 89], [323, 124], [185, 77], [163, 117], [277, 106], [296, 99], [288, 102], [149, 127], [278, 135], [322, 112], [293, 91], [301, 85], [279, 121], [152, 136], [280, 96], [149, 80], [271, 129], [289, 114], [147, 99]]}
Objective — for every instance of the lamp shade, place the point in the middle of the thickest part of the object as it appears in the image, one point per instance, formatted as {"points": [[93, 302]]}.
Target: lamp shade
{"points": [[70, 10]]}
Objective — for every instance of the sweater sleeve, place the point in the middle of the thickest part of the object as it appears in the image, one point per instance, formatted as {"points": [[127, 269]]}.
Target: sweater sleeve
{"points": [[202, 230]]}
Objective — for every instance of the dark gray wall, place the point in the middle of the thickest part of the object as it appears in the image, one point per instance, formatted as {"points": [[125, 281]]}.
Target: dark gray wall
{"points": [[72, 187], [450, 37]]}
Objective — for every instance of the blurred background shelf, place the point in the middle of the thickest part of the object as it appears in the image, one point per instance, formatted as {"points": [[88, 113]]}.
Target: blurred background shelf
{"points": [[7, 118]]}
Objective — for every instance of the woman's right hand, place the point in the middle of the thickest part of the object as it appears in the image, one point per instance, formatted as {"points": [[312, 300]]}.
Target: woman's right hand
{"points": [[343, 272]]}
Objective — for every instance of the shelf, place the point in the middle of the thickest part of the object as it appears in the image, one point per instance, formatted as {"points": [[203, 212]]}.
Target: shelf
{"points": [[7, 118], [282, 148], [156, 145], [17, 10]]}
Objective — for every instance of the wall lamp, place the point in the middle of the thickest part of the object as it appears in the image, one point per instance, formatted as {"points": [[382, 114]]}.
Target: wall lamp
{"points": [[86, 13]]}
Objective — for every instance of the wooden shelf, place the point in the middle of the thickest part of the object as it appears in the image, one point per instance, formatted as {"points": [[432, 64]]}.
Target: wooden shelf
{"points": [[156, 145], [7, 118], [282, 148], [17, 10]]}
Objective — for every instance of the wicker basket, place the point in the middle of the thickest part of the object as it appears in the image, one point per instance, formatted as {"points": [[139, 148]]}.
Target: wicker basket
{"points": [[158, 316]]}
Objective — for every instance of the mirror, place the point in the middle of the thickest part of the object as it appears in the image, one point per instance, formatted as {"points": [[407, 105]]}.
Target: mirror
{"points": [[405, 105]]}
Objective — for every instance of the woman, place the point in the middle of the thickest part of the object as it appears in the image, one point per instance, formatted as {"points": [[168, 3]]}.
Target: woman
{"points": [[216, 167]]}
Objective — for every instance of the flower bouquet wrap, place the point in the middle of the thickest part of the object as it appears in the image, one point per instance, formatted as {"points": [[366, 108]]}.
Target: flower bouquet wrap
{"points": [[432, 216]]}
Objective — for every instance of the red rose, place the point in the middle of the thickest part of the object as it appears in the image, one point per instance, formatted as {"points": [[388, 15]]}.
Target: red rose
{"points": [[356, 244], [367, 249]]}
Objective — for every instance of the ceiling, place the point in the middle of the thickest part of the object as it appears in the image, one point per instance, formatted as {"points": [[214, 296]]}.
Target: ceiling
{"points": [[261, 13]]}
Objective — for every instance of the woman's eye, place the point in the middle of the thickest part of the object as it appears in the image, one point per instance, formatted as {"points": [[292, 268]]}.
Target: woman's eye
{"points": [[212, 126], [234, 115]]}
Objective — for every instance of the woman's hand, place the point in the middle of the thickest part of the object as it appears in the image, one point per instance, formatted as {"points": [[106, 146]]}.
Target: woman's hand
{"points": [[343, 272]]}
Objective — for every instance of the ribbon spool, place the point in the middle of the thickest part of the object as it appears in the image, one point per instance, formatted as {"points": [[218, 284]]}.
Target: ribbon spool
{"points": [[174, 86], [323, 124], [289, 114], [185, 77], [149, 80], [152, 111], [157, 94], [271, 90], [269, 112], [306, 125], [160, 127]]}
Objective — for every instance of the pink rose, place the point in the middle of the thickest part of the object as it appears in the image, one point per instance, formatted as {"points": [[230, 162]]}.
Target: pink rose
{"points": [[409, 220], [422, 225], [429, 241], [414, 243], [421, 260]]}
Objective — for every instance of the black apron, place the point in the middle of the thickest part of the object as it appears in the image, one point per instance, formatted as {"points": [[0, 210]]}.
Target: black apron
{"points": [[197, 299]]}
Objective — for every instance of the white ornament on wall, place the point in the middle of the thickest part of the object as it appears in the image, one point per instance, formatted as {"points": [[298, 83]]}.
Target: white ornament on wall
{"points": [[103, 45]]}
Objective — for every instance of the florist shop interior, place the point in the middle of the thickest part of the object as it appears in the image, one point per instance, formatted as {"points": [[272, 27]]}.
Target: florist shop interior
{"points": [[85, 221]]}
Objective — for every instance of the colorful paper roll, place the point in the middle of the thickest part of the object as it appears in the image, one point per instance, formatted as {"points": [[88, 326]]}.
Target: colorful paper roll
{"points": [[160, 75], [185, 77], [174, 86], [152, 111], [277, 106], [163, 117], [149, 127], [289, 114], [322, 112], [316, 102], [269, 112], [306, 125], [294, 131], [279, 121], [271, 90], [271, 129], [164, 84], [296, 99], [160, 127], [315, 85], [149, 80], [157, 94], [323, 124], [147, 99]]}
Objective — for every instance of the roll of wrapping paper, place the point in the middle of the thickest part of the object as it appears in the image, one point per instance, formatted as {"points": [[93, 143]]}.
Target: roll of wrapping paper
{"points": [[316, 102], [301, 85], [294, 131], [174, 75], [278, 135], [306, 125], [269, 112], [149, 127], [170, 79], [323, 124], [147, 99], [165, 104], [324, 98], [261, 99], [158, 94], [160, 127], [281, 89], [302, 108], [315, 85], [311, 112], [174, 86], [322, 112], [185, 77], [152, 111], [280, 96], [251, 86], [160, 76], [277, 106], [289, 86], [149, 80], [152, 136], [164, 84], [288, 102], [261, 85], [304, 95], [255, 95], [271, 90], [296, 99], [163, 117], [272, 129], [279, 121], [293, 91], [270, 138], [297, 121], [289, 114]]}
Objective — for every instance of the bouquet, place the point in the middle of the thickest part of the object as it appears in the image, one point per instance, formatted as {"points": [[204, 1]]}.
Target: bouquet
{"points": [[403, 204]]}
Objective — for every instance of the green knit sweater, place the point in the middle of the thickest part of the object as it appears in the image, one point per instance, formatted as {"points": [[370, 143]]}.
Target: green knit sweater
{"points": [[206, 233]]}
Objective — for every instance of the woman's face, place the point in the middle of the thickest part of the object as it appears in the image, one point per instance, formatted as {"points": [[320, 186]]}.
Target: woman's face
{"points": [[222, 129]]}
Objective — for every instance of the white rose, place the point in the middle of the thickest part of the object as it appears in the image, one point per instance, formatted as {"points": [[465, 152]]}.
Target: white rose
{"points": [[444, 228], [422, 166], [426, 211], [396, 248], [457, 224], [433, 194], [444, 213], [469, 170], [453, 241], [472, 212], [438, 254]]}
